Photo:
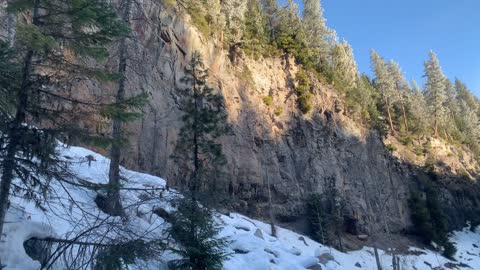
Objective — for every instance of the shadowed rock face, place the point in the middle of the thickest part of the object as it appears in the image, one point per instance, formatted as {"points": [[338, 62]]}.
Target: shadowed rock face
{"points": [[297, 154]]}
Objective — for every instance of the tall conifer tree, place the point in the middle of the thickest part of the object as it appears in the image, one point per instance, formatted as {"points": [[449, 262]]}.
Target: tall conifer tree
{"points": [[385, 84], [135, 102], [53, 51], [319, 36], [344, 66], [435, 91], [200, 156], [402, 91]]}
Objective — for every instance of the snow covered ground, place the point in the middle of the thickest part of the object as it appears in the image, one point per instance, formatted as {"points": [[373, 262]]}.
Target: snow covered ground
{"points": [[251, 246]]}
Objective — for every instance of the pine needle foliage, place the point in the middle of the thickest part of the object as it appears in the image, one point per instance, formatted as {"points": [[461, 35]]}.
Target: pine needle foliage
{"points": [[199, 155], [195, 230], [60, 47]]}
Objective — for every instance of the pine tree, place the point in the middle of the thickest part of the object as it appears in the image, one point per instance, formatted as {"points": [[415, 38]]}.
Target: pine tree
{"points": [[385, 84], [435, 91], [467, 119], [135, 102], [345, 67], [271, 10], [419, 110], [319, 36], [200, 157], [451, 107], [255, 34], [402, 91], [291, 35], [54, 51]]}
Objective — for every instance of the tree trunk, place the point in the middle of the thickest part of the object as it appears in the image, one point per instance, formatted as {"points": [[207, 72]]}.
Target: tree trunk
{"points": [[270, 206], [13, 133], [377, 257], [435, 126], [404, 116], [390, 122], [114, 206]]}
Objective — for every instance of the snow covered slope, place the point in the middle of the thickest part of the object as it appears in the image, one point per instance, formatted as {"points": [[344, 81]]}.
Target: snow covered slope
{"points": [[251, 246]]}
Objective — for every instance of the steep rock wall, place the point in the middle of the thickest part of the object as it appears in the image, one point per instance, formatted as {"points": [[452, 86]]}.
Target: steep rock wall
{"points": [[297, 154]]}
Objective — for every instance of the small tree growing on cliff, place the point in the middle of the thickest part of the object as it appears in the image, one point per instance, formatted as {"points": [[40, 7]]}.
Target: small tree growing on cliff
{"points": [[200, 156]]}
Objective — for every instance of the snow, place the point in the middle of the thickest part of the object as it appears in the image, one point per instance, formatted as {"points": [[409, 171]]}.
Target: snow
{"points": [[251, 245]]}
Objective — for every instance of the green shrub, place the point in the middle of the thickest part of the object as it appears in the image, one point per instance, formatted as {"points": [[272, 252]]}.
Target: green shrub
{"points": [[430, 163], [304, 96], [449, 250], [118, 257], [268, 100], [429, 220], [200, 18], [305, 103], [406, 139], [391, 147], [317, 219], [278, 111], [418, 150], [195, 229]]}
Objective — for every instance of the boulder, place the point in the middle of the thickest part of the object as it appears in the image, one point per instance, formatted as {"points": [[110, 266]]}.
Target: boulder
{"points": [[259, 233], [325, 258]]}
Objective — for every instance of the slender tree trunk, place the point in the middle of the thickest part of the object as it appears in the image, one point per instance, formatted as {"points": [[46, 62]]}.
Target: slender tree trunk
{"points": [[194, 186], [390, 122], [377, 257], [14, 131], [404, 116], [435, 126], [114, 206], [270, 206]]}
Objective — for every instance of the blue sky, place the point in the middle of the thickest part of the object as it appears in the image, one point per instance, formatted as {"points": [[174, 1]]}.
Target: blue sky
{"points": [[405, 31]]}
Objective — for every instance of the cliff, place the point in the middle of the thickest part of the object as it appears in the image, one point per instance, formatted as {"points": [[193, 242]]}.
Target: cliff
{"points": [[274, 145]]}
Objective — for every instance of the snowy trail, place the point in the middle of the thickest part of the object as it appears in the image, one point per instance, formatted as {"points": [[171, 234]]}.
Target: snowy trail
{"points": [[251, 246]]}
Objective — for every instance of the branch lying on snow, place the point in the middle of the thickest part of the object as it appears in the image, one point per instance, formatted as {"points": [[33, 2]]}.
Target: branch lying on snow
{"points": [[72, 242]]}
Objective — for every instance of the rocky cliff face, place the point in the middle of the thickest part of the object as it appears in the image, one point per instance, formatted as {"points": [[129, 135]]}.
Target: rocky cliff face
{"points": [[271, 149], [270, 145]]}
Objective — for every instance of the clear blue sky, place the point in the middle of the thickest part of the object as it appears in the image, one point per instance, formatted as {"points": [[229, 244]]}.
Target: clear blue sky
{"points": [[405, 31]]}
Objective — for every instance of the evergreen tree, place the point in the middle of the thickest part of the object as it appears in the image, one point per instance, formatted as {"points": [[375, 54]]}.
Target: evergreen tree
{"points": [[319, 36], [255, 34], [53, 52], [419, 110], [361, 102], [451, 108], [345, 67], [136, 102], [385, 84], [467, 119], [290, 37], [200, 156], [271, 10], [402, 91], [435, 91]]}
